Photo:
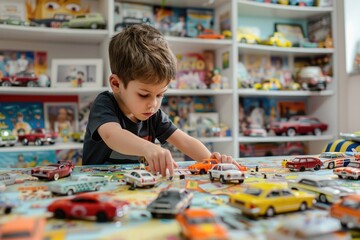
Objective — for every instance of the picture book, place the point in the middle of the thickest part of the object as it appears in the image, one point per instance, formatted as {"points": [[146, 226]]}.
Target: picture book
{"points": [[258, 66], [191, 71], [126, 14], [256, 111], [14, 9], [287, 109], [13, 62], [27, 159], [171, 21], [198, 19], [319, 27], [21, 117]]}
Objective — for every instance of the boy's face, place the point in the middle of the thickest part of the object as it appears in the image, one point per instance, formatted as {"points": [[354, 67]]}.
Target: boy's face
{"points": [[139, 101]]}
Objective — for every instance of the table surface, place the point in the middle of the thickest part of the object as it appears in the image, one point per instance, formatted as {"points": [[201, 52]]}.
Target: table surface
{"points": [[138, 224]]}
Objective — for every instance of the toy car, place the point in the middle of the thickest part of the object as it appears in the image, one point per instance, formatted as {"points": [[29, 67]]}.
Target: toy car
{"points": [[78, 184], [347, 210], [351, 171], [170, 202], [39, 136], [303, 163], [88, 205], [78, 136], [268, 84], [210, 34], [268, 199], [312, 78], [247, 37], [335, 159], [226, 172], [7, 178], [55, 22], [90, 21], [200, 224], [140, 178], [5, 206], [202, 167], [13, 21], [299, 125], [7, 138], [255, 131], [20, 79], [277, 39], [325, 189], [355, 136], [53, 171], [24, 228]]}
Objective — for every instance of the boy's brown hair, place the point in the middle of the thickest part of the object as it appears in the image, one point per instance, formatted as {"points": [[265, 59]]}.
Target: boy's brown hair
{"points": [[140, 52]]}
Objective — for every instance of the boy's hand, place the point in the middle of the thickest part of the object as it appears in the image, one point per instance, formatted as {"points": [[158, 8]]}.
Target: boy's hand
{"points": [[224, 158], [159, 160]]}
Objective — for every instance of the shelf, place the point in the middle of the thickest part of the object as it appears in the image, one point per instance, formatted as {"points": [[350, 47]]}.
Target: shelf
{"points": [[193, 92], [215, 139], [307, 138], [300, 51], [194, 42], [256, 93], [49, 91], [54, 35], [56, 146], [184, 3], [259, 10]]}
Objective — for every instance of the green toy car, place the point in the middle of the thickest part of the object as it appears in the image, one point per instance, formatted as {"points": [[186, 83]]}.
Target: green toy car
{"points": [[7, 138], [90, 21]]}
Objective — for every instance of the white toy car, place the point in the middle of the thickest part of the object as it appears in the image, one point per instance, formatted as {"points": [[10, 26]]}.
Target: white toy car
{"points": [[226, 172], [335, 159], [351, 171], [325, 189], [140, 178]]}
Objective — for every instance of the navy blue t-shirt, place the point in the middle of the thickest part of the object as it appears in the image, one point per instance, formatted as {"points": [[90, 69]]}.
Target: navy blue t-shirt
{"points": [[105, 109]]}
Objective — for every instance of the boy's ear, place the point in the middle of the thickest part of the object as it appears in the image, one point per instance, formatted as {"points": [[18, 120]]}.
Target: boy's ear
{"points": [[115, 82]]}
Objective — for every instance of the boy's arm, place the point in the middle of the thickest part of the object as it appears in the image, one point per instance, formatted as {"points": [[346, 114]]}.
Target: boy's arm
{"points": [[125, 142]]}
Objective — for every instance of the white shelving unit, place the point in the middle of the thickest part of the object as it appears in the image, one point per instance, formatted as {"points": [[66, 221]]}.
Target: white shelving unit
{"points": [[70, 43]]}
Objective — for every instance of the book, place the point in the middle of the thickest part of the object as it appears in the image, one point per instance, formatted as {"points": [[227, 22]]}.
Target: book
{"points": [[126, 14], [171, 21], [27, 159], [287, 109], [198, 19]]}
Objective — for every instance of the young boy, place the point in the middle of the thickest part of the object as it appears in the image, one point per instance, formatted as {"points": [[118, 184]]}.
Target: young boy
{"points": [[125, 122]]}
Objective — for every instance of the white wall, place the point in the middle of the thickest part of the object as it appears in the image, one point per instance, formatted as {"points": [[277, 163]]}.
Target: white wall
{"points": [[350, 97]]}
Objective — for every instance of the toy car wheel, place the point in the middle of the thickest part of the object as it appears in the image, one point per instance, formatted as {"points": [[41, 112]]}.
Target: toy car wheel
{"points": [[31, 84], [202, 171], [331, 165], [38, 142], [94, 26], [222, 180], [25, 141], [317, 167], [317, 132], [303, 206], [243, 40], [322, 198], [7, 210], [340, 176], [97, 188], [6, 84], [56, 176], [70, 192], [59, 214], [101, 217], [291, 132], [270, 212], [302, 169], [241, 181], [211, 177]]}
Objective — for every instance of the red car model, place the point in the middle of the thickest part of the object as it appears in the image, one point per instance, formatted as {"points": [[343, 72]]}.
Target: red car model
{"points": [[299, 125], [98, 205], [22, 79], [53, 171], [303, 163], [39, 136]]}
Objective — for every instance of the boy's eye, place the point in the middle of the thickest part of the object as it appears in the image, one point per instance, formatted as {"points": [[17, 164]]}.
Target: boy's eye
{"points": [[143, 95], [160, 96]]}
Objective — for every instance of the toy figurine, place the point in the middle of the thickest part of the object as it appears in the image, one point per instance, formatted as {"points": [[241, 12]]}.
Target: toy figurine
{"points": [[216, 79]]}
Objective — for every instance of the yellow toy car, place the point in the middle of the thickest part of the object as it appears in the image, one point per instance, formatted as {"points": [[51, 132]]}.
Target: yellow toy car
{"points": [[269, 84], [247, 37], [277, 39], [268, 199]]}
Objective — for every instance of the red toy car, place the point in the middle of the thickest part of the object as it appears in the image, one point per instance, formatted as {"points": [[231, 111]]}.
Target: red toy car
{"points": [[21, 79], [53, 171], [39, 136], [303, 163], [299, 125], [84, 205]]}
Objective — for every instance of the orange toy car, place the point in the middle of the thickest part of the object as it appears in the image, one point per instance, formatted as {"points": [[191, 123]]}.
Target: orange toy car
{"points": [[200, 224], [347, 211], [202, 167], [23, 228], [210, 34]]}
